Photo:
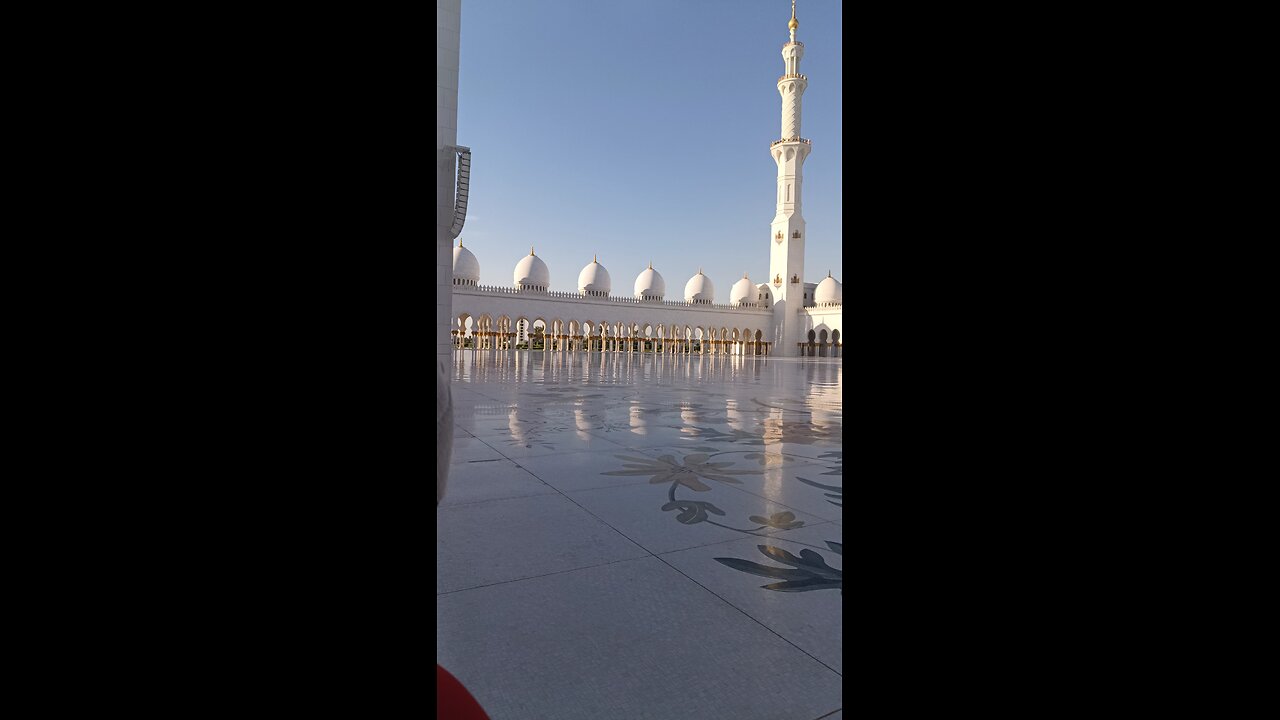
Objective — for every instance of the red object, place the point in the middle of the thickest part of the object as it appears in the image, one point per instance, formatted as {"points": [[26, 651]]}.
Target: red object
{"points": [[453, 702]]}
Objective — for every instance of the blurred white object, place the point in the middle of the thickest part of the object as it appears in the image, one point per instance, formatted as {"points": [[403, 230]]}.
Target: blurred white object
{"points": [[444, 429]]}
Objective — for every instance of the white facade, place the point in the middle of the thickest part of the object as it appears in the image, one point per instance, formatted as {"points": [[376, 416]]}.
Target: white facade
{"points": [[448, 34], [784, 315]]}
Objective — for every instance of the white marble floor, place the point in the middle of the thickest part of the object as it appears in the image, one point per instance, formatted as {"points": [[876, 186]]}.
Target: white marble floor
{"points": [[638, 536]]}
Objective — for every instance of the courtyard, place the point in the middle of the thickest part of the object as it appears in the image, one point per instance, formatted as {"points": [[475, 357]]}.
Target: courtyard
{"points": [[632, 535]]}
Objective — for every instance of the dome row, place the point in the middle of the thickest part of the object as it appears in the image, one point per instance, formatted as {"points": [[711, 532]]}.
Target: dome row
{"points": [[532, 273]]}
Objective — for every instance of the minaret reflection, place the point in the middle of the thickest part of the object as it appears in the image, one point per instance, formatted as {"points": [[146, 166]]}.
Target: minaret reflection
{"points": [[583, 422], [639, 424], [736, 419], [774, 423], [516, 427], [691, 415]]}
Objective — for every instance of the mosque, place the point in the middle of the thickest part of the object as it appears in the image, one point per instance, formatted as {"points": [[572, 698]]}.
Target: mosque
{"points": [[784, 315]]}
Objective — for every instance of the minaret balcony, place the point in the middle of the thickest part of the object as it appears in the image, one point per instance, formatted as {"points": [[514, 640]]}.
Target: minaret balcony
{"points": [[794, 76], [793, 42], [806, 141]]}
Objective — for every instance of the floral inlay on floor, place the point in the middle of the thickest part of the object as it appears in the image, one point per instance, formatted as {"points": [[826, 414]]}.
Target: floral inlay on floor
{"points": [[808, 571]]}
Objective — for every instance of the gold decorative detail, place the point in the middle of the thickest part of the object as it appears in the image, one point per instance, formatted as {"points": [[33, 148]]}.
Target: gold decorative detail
{"points": [[795, 233], [778, 236], [777, 280], [794, 23], [530, 249]]}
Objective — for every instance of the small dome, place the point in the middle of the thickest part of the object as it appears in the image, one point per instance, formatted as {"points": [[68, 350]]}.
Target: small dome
{"points": [[743, 291], [699, 289], [532, 272], [649, 284], [465, 265], [594, 279], [828, 291]]}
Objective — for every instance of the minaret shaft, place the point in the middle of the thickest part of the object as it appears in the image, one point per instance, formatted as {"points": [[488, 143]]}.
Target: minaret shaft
{"points": [[787, 231]]}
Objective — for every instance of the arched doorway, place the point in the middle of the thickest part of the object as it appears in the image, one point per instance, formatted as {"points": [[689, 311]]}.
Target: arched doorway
{"points": [[538, 335]]}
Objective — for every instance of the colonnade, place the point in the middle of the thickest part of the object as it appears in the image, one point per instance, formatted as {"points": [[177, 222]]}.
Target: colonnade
{"points": [[491, 334], [819, 349], [500, 335]]}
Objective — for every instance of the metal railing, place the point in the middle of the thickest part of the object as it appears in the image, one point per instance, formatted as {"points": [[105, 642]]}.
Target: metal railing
{"points": [[794, 76], [806, 141]]}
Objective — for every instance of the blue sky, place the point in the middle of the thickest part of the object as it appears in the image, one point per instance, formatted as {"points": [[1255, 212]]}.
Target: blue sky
{"points": [[640, 130]]}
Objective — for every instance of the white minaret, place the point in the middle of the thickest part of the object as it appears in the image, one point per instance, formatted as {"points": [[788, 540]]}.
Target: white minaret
{"points": [[786, 260]]}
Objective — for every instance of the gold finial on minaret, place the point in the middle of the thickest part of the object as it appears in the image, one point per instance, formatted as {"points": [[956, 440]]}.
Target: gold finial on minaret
{"points": [[459, 242], [530, 249], [595, 258], [828, 273], [794, 23]]}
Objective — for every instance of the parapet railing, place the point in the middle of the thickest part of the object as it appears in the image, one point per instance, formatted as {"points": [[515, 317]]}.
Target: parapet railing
{"points": [[794, 76], [806, 141], [817, 306], [617, 299], [495, 289], [793, 42], [576, 296]]}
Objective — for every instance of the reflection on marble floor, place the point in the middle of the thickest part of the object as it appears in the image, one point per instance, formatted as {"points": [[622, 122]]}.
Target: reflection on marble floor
{"points": [[727, 470]]}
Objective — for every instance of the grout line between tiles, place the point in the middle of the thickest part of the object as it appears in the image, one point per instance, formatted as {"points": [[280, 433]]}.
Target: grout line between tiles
{"points": [[748, 616], [695, 582], [534, 577], [762, 537]]}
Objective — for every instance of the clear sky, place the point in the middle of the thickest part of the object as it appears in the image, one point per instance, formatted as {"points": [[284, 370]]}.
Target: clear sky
{"points": [[639, 130]]}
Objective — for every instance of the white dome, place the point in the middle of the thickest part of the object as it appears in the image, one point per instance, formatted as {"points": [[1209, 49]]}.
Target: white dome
{"points": [[699, 289], [594, 279], [650, 284], [829, 291], [465, 265], [742, 291], [532, 272]]}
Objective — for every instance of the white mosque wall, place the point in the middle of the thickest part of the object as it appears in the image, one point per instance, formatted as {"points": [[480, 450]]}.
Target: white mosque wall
{"points": [[500, 309], [493, 309], [825, 321]]}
